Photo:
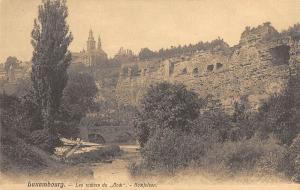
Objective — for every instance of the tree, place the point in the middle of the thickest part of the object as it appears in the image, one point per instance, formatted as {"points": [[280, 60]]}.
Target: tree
{"points": [[75, 98], [76, 103], [293, 31], [11, 62], [169, 106], [51, 58], [280, 115], [146, 53]]}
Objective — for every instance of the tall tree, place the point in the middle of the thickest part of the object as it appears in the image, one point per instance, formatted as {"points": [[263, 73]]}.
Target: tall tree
{"points": [[51, 58]]}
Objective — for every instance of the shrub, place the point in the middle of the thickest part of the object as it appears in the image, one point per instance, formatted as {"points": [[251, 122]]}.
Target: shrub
{"points": [[16, 156], [21, 119], [166, 105], [170, 150], [280, 114], [250, 156], [20, 114], [212, 125]]}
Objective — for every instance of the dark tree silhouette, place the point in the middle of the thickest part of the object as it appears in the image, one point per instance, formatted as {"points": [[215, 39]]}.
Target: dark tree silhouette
{"points": [[51, 58]]}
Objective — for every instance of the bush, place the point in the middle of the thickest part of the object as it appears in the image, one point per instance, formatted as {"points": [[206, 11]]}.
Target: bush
{"points": [[169, 150], [280, 114], [247, 156], [166, 105], [212, 125], [20, 114], [18, 156]]}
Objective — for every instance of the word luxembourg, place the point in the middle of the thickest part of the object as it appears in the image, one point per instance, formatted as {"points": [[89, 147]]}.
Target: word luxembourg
{"points": [[45, 184]]}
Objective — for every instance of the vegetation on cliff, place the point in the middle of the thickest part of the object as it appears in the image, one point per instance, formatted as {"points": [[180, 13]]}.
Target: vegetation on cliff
{"points": [[259, 144], [215, 45]]}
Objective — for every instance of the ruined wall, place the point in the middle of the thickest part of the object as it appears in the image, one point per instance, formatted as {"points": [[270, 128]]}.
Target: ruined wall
{"points": [[256, 68]]}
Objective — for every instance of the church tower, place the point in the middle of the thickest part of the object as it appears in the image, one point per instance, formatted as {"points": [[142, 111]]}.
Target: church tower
{"points": [[99, 43], [91, 43], [94, 56]]}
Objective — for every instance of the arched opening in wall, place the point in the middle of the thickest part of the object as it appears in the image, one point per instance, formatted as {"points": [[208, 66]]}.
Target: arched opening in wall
{"points": [[210, 67], [219, 65], [184, 71], [195, 71], [96, 138], [125, 71], [280, 55]]}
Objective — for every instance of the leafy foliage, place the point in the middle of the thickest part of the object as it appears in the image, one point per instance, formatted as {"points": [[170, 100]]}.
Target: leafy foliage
{"points": [[166, 106], [18, 116], [280, 115], [79, 93], [146, 53], [78, 99], [217, 44], [170, 150], [250, 156], [51, 58], [293, 31], [255, 144], [20, 119]]}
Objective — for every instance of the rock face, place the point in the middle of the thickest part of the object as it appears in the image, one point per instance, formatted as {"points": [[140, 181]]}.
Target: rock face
{"points": [[256, 68]]}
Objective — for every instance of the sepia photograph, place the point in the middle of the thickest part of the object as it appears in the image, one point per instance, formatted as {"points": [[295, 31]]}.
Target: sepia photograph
{"points": [[150, 94]]}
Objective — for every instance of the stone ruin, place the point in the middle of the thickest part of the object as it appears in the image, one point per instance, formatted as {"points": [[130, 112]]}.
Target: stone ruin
{"points": [[256, 68]]}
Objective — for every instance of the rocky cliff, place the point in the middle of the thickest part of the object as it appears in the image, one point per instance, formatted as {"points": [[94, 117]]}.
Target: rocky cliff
{"points": [[256, 68]]}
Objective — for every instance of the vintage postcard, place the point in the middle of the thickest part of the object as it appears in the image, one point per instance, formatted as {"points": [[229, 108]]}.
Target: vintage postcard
{"points": [[149, 95]]}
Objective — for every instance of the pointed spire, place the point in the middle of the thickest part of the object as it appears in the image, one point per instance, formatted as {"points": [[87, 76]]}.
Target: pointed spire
{"points": [[99, 42], [91, 37], [91, 43]]}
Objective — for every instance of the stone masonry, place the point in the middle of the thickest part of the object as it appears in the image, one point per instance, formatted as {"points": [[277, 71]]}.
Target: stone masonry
{"points": [[256, 68]]}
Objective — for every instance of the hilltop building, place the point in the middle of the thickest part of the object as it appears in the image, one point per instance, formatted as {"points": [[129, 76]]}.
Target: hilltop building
{"points": [[125, 55], [92, 55], [13, 72]]}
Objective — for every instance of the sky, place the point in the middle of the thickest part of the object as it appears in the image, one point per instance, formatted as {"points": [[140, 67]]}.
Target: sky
{"points": [[135, 24]]}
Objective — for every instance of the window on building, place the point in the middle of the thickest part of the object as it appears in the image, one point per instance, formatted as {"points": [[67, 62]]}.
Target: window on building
{"points": [[210, 67], [219, 65]]}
